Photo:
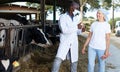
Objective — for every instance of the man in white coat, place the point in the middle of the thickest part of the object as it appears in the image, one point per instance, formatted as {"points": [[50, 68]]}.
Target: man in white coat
{"points": [[68, 24]]}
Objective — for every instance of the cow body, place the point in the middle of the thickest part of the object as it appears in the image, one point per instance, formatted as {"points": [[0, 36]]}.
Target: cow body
{"points": [[2, 32], [6, 65], [2, 37], [33, 35], [36, 36], [13, 34]]}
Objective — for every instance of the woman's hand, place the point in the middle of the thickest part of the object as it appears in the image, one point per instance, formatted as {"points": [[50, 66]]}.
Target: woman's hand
{"points": [[83, 50], [106, 55]]}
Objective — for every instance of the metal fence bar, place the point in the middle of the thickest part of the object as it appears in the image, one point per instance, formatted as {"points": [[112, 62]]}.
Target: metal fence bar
{"points": [[22, 26], [18, 47]]}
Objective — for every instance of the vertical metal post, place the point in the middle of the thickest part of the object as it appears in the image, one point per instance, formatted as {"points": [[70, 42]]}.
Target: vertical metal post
{"points": [[42, 8], [54, 12], [38, 16], [30, 17], [7, 43], [54, 16]]}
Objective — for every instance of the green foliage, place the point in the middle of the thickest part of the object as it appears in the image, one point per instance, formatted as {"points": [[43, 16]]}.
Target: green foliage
{"points": [[94, 4], [107, 4], [91, 17], [85, 19], [85, 8], [49, 7], [87, 22], [37, 5], [116, 3], [113, 23], [87, 27], [28, 4]]}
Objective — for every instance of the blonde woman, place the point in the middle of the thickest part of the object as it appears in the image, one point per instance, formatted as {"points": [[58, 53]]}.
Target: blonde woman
{"points": [[99, 41]]}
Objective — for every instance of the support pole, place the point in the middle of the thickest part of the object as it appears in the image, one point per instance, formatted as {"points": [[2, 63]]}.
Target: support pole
{"points": [[54, 17], [54, 12], [43, 14]]}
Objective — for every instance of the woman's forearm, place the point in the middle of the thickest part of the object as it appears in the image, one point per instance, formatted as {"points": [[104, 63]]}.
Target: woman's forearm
{"points": [[107, 41], [88, 39]]}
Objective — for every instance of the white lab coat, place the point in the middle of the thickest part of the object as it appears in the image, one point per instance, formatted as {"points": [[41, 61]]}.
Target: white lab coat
{"points": [[68, 37]]}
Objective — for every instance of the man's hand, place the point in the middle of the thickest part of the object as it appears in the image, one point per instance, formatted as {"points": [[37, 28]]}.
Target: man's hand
{"points": [[81, 26]]}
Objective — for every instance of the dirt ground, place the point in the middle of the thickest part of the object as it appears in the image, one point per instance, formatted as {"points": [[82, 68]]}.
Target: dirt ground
{"points": [[112, 62], [41, 60]]}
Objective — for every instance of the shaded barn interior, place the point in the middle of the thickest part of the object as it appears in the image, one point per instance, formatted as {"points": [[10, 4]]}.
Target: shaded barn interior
{"points": [[61, 3], [46, 55], [47, 2]]}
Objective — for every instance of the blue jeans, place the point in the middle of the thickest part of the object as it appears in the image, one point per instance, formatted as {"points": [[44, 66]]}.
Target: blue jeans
{"points": [[92, 53]]}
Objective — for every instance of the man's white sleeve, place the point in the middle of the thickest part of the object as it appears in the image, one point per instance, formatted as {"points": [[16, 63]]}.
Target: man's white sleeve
{"points": [[63, 26]]}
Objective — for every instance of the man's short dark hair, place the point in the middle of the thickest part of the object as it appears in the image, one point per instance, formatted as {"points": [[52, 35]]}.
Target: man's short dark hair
{"points": [[71, 3]]}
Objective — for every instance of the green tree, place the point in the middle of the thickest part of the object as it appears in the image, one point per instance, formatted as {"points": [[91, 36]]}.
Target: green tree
{"points": [[116, 3], [28, 4], [116, 19], [37, 5], [115, 6], [94, 4], [91, 17]]}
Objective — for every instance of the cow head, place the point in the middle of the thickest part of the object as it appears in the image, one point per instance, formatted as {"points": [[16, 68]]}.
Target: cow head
{"points": [[2, 35]]}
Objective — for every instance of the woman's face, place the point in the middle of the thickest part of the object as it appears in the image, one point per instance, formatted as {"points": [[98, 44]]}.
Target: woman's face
{"points": [[100, 16]]}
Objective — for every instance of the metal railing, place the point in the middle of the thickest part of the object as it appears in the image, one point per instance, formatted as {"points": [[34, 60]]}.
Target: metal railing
{"points": [[19, 46]]}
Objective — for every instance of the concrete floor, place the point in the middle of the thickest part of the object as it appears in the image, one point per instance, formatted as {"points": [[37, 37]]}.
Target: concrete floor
{"points": [[113, 61]]}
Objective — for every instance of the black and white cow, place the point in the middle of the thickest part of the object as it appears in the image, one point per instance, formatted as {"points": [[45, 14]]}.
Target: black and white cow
{"points": [[31, 35], [13, 32], [53, 32], [2, 35], [35, 35], [3, 23], [6, 62]]}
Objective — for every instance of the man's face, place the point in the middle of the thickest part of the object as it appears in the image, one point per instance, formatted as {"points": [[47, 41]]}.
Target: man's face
{"points": [[74, 6], [72, 9]]}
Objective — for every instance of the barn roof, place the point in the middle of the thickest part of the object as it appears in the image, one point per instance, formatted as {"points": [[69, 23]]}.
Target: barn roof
{"points": [[48, 2]]}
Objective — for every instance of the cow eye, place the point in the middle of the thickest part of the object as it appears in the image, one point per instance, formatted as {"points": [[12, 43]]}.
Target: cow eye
{"points": [[3, 36], [12, 42]]}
